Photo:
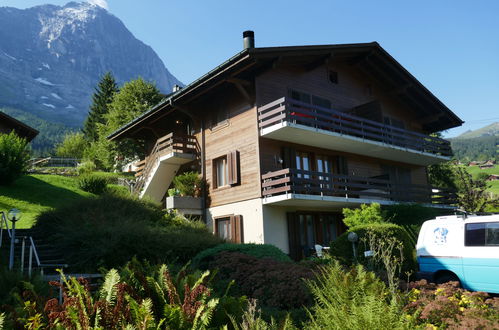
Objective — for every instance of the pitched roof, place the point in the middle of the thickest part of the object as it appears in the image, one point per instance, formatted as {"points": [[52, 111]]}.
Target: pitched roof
{"points": [[19, 127], [370, 58]]}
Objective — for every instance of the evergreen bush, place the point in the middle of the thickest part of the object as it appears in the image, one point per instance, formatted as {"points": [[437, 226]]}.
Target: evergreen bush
{"points": [[259, 251], [92, 183], [14, 157], [109, 230], [341, 248]]}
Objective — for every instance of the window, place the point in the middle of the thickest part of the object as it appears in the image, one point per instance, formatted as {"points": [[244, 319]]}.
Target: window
{"points": [[310, 228], [310, 99], [219, 116], [226, 170], [221, 172], [303, 163], [482, 234], [333, 77], [230, 228]]}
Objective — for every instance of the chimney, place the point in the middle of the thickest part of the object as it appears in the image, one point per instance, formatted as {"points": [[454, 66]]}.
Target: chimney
{"points": [[176, 88], [248, 39]]}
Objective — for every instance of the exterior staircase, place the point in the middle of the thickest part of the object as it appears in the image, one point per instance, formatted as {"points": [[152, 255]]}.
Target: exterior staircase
{"points": [[32, 252], [157, 171]]}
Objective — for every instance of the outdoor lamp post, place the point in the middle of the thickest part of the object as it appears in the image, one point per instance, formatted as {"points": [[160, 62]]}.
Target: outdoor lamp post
{"points": [[353, 237], [13, 215]]}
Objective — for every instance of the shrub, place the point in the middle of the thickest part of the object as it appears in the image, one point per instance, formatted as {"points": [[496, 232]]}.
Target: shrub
{"points": [[273, 283], [86, 167], [342, 247], [73, 145], [109, 230], [353, 299], [256, 250], [14, 157], [188, 184], [92, 183], [446, 305], [364, 215]]}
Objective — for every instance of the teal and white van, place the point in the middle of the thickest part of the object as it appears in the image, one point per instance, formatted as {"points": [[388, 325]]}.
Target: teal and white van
{"points": [[454, 248]]}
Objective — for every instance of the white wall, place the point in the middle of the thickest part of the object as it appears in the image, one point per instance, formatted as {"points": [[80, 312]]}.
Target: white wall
{"points": [[276, 227], [251, 211]]}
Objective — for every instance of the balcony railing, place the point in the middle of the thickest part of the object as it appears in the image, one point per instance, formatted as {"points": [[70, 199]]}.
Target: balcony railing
{"points": [[296, 112], [170, 143], [294, 181]]}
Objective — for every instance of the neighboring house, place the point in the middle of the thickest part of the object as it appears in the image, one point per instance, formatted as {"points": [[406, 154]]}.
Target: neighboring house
{"points": [[493, 177], [286, 137], [9, 124], [488, 164]]}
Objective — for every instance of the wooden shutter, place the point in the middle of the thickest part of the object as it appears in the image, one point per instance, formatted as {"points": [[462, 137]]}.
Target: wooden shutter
{"points": [[237, 228], [294, 236], [288, 157], [342, 165], [233, 167]]}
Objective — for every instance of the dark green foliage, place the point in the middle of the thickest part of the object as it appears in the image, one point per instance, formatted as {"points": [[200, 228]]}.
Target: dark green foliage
{"points": [[352, 299], [108, 231], [341, 248], [103, 95], [51, 133], [92, 183], [478, 148], [14, 157], [442, 175], [203, 259], [275, 284], [411, 217], [188, 184]]}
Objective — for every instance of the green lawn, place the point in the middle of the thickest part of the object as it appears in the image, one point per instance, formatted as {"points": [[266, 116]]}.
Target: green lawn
{"points": [[35, 193], [475, 170]]}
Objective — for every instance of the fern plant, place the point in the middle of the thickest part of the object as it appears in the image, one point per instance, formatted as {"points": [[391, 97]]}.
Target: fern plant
{"points": [[353, 299]]}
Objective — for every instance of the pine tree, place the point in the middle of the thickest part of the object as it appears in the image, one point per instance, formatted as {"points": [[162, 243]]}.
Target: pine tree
{"points": [[104, 93]]}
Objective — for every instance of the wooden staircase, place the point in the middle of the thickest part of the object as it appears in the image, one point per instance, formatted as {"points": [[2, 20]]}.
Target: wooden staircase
{"points": [[157, 170]]}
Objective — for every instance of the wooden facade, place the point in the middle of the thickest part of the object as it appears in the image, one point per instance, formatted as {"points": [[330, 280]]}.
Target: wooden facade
{"points": [[355, 92]]}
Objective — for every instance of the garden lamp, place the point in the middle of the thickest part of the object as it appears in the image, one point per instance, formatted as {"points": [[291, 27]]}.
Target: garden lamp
{"points": [[13, 215], [353, 237]]}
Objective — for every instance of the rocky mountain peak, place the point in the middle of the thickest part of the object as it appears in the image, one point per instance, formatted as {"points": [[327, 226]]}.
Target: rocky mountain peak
{"points": [[51, 58]]}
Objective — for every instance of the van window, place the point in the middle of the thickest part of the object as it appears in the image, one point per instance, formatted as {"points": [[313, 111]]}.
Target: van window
{"points": [[482, 234]]}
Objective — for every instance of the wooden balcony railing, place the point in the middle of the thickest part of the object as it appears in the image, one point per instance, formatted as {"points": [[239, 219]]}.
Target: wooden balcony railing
{"points": [[294, 181], [185, 144], [286, 109]]}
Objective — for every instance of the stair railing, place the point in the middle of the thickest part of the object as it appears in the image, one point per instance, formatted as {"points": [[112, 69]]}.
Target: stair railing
{"points": [[34, 253], [3, 223]]}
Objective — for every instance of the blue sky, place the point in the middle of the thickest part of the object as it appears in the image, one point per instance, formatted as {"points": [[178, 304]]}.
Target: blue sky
{"points": [[451, 46]]}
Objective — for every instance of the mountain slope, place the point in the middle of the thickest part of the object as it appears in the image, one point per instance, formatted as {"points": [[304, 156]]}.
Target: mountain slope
{"points": [[51, 58], [489, 130], [480, 144]]}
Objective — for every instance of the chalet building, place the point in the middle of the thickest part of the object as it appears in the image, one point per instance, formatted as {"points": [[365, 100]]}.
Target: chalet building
{"points": [[285, 137], [9, 124]]}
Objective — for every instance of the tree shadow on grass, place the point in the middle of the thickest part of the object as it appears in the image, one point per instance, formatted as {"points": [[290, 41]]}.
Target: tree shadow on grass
{"points": [[34, 191]]}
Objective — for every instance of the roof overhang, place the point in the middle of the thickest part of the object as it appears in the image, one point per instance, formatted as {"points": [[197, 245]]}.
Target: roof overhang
{"points": [[370, 58], [21, 129]]}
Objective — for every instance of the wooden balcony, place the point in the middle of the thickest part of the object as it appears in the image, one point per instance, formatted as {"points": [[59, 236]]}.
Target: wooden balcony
{"points": [[292, 187], [293, 121], [156, 172]]}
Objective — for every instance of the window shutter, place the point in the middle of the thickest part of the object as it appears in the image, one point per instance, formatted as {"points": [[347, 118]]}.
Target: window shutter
{"points": [[233, 167], [294, 236], [342, 165], [238, 228], [288, 157]]}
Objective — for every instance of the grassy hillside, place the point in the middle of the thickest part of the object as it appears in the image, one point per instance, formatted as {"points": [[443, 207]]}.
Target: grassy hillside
{"points": [[489, 130], [494, 185], [33, 194]]}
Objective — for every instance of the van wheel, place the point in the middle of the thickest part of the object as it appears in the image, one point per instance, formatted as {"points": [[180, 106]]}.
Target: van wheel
{"points": [[447, 277]]}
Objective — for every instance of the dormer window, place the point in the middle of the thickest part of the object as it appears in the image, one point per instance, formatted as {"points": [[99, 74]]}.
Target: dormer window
{"points": [[333, 77]]}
